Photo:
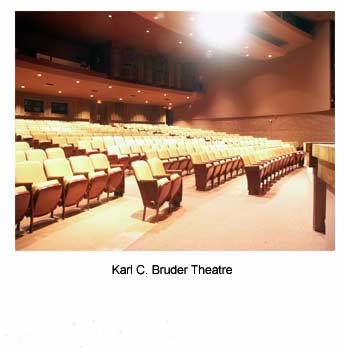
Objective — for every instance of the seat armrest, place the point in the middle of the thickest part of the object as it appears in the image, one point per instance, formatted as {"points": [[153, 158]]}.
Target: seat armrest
{"points": [[162, 176], [28, 185], [174, 171], [58, 178], [116, 165]]}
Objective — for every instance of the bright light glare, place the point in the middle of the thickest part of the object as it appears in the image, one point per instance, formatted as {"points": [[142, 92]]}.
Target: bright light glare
{"points": [[222, 30]]}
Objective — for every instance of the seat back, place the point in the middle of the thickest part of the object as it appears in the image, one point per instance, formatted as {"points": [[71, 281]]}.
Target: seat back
{"points": [[156, 166], [85, 145], [22, 146], [98, 144], [55, 152], [59, 140], [142, 170], [30, 172], [99, 161], [81, 164], [113, 150], [20, 156], [163, 153], [57, 167], [36, 155], [196, 158], [173, 152], [204, 157], [108, 141]]}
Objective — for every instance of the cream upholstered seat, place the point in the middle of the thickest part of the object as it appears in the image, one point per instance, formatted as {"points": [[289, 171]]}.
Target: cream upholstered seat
{"points": [[97, 180], [38, 155], [22, 146], [74, 186], [214, 158], [115, 172], [20, 156], [115, 156], [175, 176], [55, 152], [206, 158], [183, 161], [136, 149], [22, 202], [126, 150], [154, 192], [169, 163], [182, 151], [61, 141], [203, 171], [45, 194], [85, 145]]}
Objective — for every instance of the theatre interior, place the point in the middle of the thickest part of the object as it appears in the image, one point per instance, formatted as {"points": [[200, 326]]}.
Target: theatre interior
{"points": [[168, 130]]}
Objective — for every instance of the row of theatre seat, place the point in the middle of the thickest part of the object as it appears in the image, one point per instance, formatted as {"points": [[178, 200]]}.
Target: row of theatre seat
{"points": [[264, 167], [44, 183], [69, 161]]}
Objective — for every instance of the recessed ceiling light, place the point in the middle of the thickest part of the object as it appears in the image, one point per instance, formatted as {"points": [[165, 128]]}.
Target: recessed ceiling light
{"points": [[39, 75], [110, 86], [269, 56], [190, 34], [155, 17], [59, 92], [120, 99], [165, 94], [139, 91], [170, 103], [246, 47], [77, 81], [99, 101], [91, 95], [110, 16], [180, 42], [146, 101], [191, 18], [188, 97], [22, 86], [247, 55], [147, 30]]}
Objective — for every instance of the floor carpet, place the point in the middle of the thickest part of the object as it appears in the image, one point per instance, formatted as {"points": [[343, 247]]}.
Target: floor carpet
{"points": [[225, 218]]}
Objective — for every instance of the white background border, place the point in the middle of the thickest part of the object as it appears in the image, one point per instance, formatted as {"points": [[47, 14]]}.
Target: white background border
{"points": [[70, 299]]}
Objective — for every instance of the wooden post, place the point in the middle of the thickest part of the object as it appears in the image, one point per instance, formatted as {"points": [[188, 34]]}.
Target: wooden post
{"points": [[319, 203]]}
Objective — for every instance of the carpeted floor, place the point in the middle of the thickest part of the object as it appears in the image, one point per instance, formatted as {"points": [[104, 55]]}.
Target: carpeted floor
{"points": [[226, 218]]}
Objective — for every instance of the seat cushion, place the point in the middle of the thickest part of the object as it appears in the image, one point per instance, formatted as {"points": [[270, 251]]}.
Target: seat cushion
{"points": [[44, 184], [174, 176], [69, 179], [115, 170], [21, 189], [94, 175], [162, 182]]}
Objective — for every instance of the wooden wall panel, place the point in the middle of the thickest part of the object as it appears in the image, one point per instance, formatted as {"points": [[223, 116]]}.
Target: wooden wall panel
{"points": [[89, 110], [319, 126], [121, 112], [78, 109]]}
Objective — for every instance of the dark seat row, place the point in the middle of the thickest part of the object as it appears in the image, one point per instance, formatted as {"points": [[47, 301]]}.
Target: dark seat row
{"points": [[264, 167]]}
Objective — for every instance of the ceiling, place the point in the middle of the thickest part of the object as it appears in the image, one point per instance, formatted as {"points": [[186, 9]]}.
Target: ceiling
{"points": [[92, 86], [169, 32]]}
